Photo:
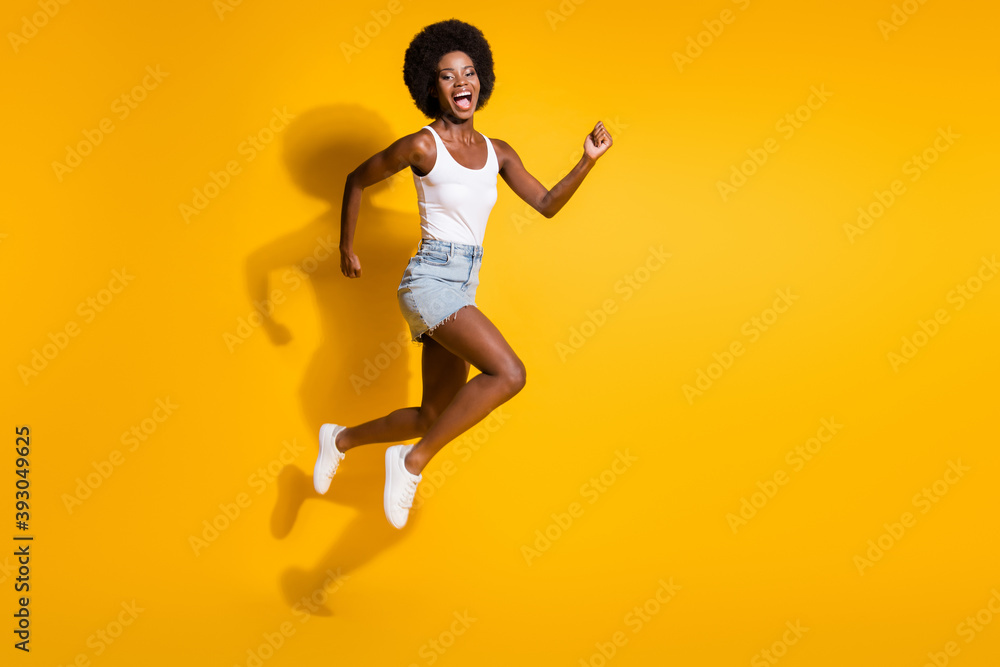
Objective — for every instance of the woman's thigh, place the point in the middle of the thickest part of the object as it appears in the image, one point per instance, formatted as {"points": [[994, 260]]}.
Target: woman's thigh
{"points": [[443, 375], [471, 336]]}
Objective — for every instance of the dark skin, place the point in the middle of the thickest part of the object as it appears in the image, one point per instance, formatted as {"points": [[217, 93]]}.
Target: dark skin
{"points": [[450, 404]]}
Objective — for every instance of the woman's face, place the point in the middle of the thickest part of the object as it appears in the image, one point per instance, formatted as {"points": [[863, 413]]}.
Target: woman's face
{"points": [[457, 85]]}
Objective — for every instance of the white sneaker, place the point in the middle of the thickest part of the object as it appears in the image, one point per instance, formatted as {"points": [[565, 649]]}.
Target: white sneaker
{"points": [[329, 457], [400, 485]]}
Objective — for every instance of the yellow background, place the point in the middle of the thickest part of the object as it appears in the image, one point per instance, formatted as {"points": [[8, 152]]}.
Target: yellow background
{"points": [[242, 407]]}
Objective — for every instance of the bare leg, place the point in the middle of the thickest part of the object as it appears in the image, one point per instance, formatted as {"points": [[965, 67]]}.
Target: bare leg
{"points": [[471, 336], [443, 375]]}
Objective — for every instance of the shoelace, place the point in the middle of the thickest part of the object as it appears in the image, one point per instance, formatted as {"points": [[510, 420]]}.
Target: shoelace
{"points": [[333, 463], [409, 490]]}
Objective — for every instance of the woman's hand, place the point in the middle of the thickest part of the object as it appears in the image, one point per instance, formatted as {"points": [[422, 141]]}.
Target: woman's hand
{"points": [[350, 265], [597, 142]]}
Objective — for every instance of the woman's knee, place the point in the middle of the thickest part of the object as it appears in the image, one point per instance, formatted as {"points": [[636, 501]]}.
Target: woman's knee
{"points": [[515, 375]]}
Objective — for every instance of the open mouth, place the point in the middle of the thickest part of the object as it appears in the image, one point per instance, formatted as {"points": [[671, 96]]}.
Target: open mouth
{"points": [[464, 100]]}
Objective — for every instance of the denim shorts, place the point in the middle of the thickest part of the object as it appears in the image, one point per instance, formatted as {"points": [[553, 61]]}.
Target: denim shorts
{"points": [[439, 280]]}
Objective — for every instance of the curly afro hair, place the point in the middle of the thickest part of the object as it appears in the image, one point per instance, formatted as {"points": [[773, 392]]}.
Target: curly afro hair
{"points": [[427, 48]]}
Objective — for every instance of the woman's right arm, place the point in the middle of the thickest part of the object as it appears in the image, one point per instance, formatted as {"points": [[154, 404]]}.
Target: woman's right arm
{"points": [[409, 150]]}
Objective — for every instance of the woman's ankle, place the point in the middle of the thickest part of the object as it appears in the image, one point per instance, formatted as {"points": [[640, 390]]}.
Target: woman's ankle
{"points": [[413, 463], [342, 442]]}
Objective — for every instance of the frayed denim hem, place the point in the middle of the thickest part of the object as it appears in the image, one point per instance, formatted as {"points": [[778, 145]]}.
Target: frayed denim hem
{"points": [[419, 338]]}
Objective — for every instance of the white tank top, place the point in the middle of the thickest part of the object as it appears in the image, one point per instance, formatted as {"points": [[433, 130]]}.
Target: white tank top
{"points": [[455, 201]]}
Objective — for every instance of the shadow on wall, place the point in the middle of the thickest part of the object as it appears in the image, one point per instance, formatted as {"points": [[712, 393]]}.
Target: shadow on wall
{"points": [[360, 370]]}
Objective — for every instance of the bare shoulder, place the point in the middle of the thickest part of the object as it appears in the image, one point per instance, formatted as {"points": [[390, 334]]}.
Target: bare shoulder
{"points": [[420, 150], [416, 143], [421, 141], [503, 150], [500, 144]]}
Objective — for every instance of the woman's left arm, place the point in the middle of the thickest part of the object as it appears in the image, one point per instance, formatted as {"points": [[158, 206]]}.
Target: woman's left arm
{"points": [[528, 188]]}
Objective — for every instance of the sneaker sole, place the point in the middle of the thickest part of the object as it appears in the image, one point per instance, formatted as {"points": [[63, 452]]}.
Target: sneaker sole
{"points": [[326, 435], [389, 477]]}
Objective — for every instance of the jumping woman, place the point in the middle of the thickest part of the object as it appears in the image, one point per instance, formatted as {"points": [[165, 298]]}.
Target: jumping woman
{"points": [[448, 69]]}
